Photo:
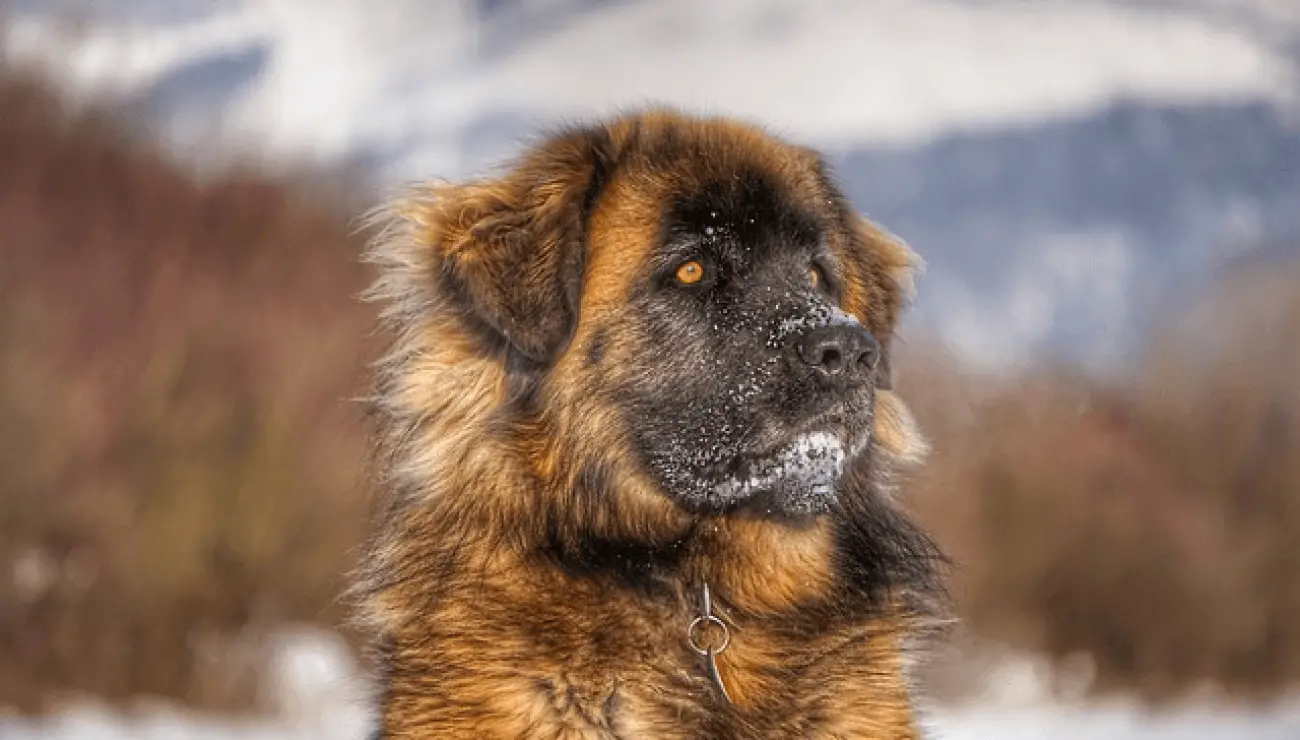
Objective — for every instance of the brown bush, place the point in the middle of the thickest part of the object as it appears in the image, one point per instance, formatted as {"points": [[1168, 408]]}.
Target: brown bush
{"points": [[178, 452], [1152, 522]]}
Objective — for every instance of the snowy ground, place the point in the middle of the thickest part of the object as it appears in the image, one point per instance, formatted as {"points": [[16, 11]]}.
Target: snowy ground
{"points": [[318, 697], [1117, 722], [1103, 722], [1038, 723]]}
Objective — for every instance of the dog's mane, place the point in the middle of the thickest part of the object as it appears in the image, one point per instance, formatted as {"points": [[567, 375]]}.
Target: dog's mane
{"points": [[438, 411], [515, 520]]}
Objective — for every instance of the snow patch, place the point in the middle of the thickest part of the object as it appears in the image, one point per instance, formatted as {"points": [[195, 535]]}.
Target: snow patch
{"points": [[314, 692], [806, 471]]}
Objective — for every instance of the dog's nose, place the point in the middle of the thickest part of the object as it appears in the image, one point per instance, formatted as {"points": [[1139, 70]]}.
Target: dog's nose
{"points": [[840, 351]]}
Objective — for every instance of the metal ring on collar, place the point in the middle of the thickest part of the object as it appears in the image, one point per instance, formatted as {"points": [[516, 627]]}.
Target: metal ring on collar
{"points": [[692, 632]]}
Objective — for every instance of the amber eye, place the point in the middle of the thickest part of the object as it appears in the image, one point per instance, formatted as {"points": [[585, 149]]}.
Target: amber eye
{"points": [[815, 276], [690, 273]]}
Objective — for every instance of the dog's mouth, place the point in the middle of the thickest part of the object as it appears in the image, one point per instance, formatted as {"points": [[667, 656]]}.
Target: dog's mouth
{"points": [[796, 475]]}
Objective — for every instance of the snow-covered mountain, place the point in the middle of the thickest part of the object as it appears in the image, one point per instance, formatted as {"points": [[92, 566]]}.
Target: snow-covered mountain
{"points": [[1064, 165]]}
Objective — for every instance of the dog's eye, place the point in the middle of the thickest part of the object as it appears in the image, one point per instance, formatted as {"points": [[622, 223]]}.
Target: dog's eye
{"points": [[816, 277], [690, 273]]}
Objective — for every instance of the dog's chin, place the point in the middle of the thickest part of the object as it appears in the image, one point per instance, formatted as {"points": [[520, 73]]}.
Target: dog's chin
{"points": [[797, 478]]}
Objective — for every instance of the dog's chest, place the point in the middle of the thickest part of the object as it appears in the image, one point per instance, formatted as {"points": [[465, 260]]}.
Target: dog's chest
{"points": [[779, 688], [601, 667]]}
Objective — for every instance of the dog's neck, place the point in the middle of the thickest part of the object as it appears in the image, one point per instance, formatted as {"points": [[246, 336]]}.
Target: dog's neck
{"points": [[610, 523]]}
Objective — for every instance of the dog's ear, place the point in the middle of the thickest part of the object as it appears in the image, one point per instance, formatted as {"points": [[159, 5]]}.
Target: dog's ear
{"points": [[892, 266], [883, 268], [512, 248], [895, 429]]}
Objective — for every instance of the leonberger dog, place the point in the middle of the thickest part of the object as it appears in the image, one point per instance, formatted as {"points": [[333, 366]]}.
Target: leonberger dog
{"points": [[638, 442]]}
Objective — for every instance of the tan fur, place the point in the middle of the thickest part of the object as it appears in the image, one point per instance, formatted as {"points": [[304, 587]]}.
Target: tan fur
{"points": [[480, 638]]}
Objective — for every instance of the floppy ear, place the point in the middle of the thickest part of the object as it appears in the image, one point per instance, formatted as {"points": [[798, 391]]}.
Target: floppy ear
{"points": [[888, 269], [895, 430], [512, 248], [883, 265], [891, 262]]}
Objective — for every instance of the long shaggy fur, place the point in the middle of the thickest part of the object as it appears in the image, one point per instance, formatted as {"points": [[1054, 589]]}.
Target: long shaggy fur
{"points": [[527, 576]]}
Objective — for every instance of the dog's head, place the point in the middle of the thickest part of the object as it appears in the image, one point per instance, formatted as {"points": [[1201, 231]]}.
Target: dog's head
{"points": [[691, 296]]}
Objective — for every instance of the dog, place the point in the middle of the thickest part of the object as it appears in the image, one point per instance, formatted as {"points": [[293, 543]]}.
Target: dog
{"points": [[637, 440]]}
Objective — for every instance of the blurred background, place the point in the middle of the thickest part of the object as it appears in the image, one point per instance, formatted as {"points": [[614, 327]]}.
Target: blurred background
{"points": [[1105, 349]]}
